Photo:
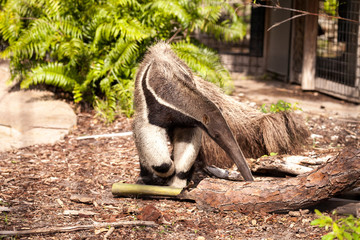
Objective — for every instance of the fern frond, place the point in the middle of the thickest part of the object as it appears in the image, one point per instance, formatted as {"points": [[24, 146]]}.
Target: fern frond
{"points": [[31, 8], [102, 15], [202, 13], [226, 31], [68, 27], [54, 74], [122, 55], [129, 29], [54, 8], [203, 61], [211, 13], [32, 42], [170, 8], [125, 89], [105, 85], [73, 50], [95, 73], [128, 3], [10, 23]]}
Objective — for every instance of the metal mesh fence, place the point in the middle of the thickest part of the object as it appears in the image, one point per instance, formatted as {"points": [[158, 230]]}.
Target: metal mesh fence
{"points": [[337, 43], [245, 55]]}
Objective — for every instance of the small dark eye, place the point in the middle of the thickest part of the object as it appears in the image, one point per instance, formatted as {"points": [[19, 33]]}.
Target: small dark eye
{"points": [[206, 119]]}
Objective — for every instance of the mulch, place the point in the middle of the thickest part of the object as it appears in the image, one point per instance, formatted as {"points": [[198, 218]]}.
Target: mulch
{"points": [[40, 187]]}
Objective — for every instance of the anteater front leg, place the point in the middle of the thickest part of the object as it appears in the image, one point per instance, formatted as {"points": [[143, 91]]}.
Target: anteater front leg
{"points": [[155, 160], [186, 145]]}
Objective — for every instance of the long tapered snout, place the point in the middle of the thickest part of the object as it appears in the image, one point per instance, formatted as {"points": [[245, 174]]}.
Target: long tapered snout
{"points": [[218, 129]]}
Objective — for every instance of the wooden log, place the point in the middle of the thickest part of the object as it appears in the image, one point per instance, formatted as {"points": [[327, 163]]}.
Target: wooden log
{"points": [[349, 209], [280, 195], [277, 165], [272, 165]]}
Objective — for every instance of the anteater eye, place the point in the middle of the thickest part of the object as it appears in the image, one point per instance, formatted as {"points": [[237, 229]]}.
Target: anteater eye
{"points": [[206, 119]]}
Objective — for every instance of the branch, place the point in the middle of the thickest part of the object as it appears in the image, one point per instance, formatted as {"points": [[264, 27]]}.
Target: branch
{"points": [[76, 228], [122, 134], [286, 20], [173, 36], [301, 11], [111, 230]]}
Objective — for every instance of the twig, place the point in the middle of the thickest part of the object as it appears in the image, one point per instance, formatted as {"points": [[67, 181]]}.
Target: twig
{"points": [[28, 18], [348, 120], [173, 36], [350, 132], [111, 230], [301, 11], [123, 134], [76, 228], [286, 20]]}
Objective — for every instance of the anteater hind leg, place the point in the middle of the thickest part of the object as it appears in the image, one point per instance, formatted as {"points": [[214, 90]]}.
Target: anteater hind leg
{"points": [[155, 161], [186, 146]]}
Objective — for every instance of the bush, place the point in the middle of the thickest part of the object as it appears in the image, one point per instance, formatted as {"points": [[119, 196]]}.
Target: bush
{"points": [[343, 228], [92, 48], [280, 106]]}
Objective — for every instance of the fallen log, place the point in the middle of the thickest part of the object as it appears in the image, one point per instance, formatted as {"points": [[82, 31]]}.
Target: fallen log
{"points": [[349, 209], [272, 166], [280, 195]]}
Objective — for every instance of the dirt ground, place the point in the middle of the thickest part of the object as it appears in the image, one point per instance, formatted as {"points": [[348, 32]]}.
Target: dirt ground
{"points": [[38, 185]]}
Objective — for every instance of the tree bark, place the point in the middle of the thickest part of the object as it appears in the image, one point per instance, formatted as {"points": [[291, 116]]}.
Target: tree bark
{"points": [[280, 195], [273, 166]]}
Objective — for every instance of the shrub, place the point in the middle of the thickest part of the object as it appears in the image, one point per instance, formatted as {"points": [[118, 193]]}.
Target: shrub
{"points": [[92, 48], [280, 106], [343, 228]]}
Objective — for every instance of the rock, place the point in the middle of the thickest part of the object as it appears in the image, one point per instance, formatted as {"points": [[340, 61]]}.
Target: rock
{"points": [[295, 213], [5, 209], [334, 138], [314, 136], [150, 213], [31, 117]]}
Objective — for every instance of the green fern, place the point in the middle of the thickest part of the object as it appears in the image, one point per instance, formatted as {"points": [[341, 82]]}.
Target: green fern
{"points": [[93, 48], [52, 74], [203, 61]]}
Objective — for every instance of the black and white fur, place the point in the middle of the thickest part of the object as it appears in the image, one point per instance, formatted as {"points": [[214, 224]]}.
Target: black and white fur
{"points": [[169, 106]]}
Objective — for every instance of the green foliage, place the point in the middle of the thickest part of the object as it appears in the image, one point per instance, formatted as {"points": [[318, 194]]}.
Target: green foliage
{"points": [[343, 228], [280, 106], [331, 7], [92, 48], [271, 154]]}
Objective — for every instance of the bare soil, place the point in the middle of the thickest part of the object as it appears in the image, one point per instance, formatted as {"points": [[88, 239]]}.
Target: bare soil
{"points": [[37, 184]]}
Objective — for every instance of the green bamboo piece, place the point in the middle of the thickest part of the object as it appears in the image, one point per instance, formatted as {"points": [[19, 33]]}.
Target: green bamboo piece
{"points": [[126, 189]]}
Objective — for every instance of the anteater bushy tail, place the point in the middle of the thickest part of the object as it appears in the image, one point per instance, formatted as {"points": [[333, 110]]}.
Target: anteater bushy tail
{"points": [[257, 133]]}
